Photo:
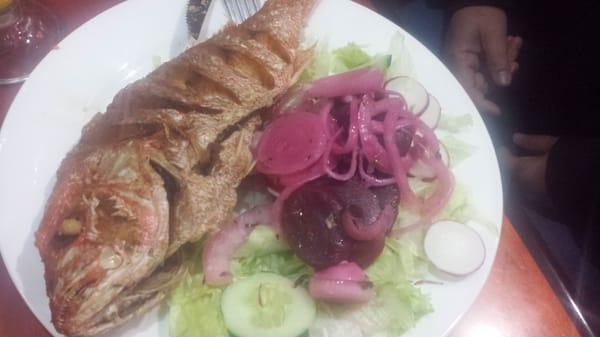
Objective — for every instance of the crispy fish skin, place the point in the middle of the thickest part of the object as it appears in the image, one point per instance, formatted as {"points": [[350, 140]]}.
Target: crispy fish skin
{"points": [[159, 169], [121, 207], [207, 197]]}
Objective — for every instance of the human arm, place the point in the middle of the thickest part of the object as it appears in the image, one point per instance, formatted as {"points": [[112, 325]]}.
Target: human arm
{"points": [[477, 48]]}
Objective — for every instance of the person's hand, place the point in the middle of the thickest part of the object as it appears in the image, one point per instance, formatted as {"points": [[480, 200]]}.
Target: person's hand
{"points": [[478, 49], [528, 172]]}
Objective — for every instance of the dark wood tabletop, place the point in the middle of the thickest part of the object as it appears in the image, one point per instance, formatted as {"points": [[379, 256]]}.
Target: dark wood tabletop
{"points": [[517, 300]]}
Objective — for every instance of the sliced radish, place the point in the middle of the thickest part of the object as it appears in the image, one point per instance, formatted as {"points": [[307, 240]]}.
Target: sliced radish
{"points": [[444, 155], [413, 92], [432, 115], [454, 248]]}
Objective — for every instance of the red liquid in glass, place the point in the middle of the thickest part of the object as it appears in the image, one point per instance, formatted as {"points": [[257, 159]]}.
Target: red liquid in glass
{"points": [[28, 31]]}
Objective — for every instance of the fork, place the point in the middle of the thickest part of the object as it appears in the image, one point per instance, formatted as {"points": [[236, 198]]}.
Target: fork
{"points": [[240, 10]]}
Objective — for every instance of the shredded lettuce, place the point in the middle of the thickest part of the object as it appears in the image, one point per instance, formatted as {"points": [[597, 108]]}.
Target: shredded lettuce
{"points": [[402, 259], [319, 65], [265, 252], [349, 57], [458, 150], [458, 208], [195, 310], [402, 64], [262, 241], [455, 124], [396, 307], [284, 264]]}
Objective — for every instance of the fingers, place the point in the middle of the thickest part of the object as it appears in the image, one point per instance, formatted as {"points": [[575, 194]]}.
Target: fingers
{"points": [[486, 105], [536, 143], [495, 48], [477, 87], [464, 47], [481, 83], [514, 67], [514, 44]]}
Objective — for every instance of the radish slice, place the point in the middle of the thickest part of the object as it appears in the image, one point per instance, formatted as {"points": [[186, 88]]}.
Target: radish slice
{"points": [[291, 143], [432, 115], [413, 92], [444, 155], [454, 248]]}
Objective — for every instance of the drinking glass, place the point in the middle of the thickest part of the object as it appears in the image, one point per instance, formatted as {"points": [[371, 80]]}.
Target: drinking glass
{"points": [[28, 31]]}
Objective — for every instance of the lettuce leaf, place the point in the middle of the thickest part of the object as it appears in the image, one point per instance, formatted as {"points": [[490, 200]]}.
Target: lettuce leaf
{"points": [[327, 62], [458, 208], [349, 57], [283, 263], [195, 310], [262, 241], [455, 124], [402, 259], [265, 252], [458, 149], [402, 64], [319, 65], [396, 307]]}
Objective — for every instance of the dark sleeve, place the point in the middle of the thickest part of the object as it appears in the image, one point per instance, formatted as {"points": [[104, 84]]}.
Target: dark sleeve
{"points": [[573, 179], [454, 5]]}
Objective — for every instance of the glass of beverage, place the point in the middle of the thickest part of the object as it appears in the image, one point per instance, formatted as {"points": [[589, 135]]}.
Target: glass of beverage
{"points": [[28, 31]]}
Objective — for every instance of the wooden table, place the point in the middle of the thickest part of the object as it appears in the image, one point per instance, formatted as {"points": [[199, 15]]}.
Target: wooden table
{"points": [[517, 300]]}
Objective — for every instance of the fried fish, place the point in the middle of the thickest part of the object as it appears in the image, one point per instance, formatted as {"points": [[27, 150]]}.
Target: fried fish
{"points": [[160, 169]]}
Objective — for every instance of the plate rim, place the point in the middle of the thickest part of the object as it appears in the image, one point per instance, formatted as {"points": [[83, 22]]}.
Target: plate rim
{"points": [[122, 6]]}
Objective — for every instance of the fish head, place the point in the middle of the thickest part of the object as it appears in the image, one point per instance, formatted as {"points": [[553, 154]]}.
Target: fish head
{"points": [[105, 228]]}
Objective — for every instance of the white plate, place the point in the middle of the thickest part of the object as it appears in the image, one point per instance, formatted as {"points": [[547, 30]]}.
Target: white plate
{"points": [[121, 45]]}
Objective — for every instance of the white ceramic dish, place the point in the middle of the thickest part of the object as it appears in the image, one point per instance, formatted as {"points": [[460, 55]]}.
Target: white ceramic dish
{"points": [[124, 43]]}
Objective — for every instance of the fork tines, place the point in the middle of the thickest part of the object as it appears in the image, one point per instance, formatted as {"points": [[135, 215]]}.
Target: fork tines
{"points": [[240, 10]]}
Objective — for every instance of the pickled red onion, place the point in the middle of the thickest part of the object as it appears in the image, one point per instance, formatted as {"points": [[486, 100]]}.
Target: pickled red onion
{"points": [[354, 82], [221, 246], [342, 283], [383, 136]]}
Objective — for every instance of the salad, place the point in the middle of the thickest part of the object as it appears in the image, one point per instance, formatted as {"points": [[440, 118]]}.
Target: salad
{"points": [[353, 200]]}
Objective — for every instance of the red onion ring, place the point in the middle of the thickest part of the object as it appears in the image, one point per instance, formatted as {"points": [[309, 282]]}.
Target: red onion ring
{"points": [[342, 283], [340, 291], [369, 179], [371, 148], [354, 82], [400, 168], [221, 246], [352, 140], [351, 171]]}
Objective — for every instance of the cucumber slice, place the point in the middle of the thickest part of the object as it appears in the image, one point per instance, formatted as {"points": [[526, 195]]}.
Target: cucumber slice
{"points": [[267, 305]]}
